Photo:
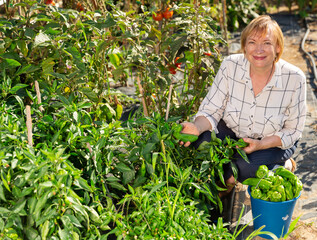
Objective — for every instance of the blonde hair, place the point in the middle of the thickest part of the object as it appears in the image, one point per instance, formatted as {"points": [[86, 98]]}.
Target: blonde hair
{"points": [[261, 25]]}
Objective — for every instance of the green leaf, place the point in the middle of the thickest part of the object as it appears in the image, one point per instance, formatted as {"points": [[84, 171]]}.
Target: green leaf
{"points": [[47, 65], [177, 43], [82, 183], [149, 168], [22, 45], [2, 195], [64, 100], [73, 220], [78, 207], [157, 187], [27, 191], [90, 94], [204, 166], [112, 179], [110, 22], [102, 46], [76, 57], [27, 69], [118, 186], [46, 184], [63, 234], [10, 63], [128, 176], [94, 216], [114, 59], [186, 173], [44, 230], [148, 148], [42, 39], [119, 111], [31, 233], [19, 207], [157, 33], [123, 168], [41, 202], [5, 183], [4, 211]]}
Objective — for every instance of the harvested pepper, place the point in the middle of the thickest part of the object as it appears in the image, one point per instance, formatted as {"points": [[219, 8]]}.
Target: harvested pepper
{"points": [[281, 190], [277, 180], [265, 197], [262, 171], [275, 185], [288, 190], [256, 193], [274, 196], [241, 143], [285, 173], [261, 183], [184, 137], [297, 187]]}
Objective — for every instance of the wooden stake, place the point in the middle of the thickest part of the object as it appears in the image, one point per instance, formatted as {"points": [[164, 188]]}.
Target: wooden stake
{"points": [[224, 12], [29, 125], [169, 101], [142, 97], [38, 94]]}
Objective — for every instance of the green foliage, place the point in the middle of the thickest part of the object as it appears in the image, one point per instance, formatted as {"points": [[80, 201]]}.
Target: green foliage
{"points": [[240, 13], [87, 174]]}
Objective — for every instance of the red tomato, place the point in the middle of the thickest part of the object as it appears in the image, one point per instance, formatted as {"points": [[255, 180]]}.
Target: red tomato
{"points": [[157, 16], [48, 1], [80, 7], [172, 70], [177, 64], [167, 14], [207, 54]]}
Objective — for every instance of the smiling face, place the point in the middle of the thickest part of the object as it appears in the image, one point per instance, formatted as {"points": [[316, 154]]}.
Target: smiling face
{"points": [[261, 49]]}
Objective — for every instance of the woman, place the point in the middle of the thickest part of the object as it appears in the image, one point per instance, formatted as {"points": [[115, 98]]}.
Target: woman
{"points": [[258, 97]]}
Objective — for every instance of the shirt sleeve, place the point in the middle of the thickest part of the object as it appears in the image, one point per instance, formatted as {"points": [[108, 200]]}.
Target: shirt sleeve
{"points": [[213, 105], [295, 122]]}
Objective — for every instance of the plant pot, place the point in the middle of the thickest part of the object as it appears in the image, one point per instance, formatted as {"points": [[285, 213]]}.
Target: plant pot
{"points": [[275, 216]]}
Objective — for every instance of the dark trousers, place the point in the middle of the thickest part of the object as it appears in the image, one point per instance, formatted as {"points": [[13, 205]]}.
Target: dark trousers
{"points": [[270, 157]]}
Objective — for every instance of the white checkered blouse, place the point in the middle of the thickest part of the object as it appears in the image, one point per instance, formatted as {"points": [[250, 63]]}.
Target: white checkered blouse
{"points": [[280, 109]]}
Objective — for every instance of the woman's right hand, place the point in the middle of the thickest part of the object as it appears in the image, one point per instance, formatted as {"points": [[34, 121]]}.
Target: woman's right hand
{"points": [[189, 128]]}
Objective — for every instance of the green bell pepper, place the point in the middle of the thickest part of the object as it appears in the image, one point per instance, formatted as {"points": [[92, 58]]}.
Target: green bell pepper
{"points": [[288, 190], [281, 190], [256, 193], [184, 137], [262, 171], [277, 180], [274, 196], [297, 187], [285, 173], [261, 183], [265, 197]]}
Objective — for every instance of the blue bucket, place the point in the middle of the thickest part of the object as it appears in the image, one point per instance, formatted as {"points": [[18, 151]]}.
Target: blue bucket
{"points": [[276, 216]]}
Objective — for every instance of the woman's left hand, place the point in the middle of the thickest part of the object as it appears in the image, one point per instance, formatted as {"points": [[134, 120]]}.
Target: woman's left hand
{"points": [[264, 143], [254, 145]]}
